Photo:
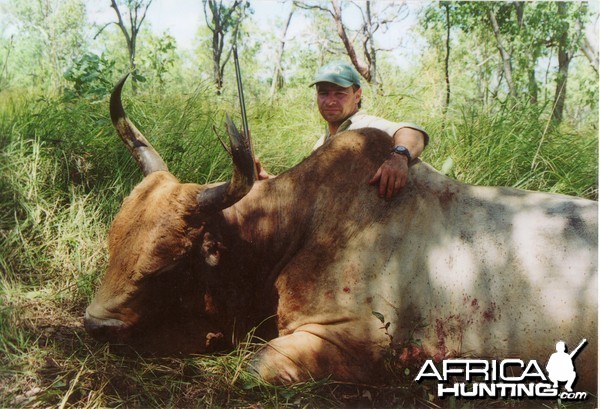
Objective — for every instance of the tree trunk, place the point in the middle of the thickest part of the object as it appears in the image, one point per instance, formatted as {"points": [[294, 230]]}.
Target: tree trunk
{"points": [[504, 55], [4, 70], [447, 59], [532, 83], [590, 49], [360, 66], [217, 41], [276, 81], [520, 10], [370, 51], [564, 59], [135, 22], [372, 21], [222, 20]]}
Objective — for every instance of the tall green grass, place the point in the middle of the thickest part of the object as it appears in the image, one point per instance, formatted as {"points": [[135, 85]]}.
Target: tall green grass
{"points": [[519, 147], [64, 173], [515, 146]]}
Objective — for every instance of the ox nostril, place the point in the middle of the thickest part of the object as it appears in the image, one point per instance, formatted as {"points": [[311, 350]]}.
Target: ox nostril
{"points": [[103, 329]]}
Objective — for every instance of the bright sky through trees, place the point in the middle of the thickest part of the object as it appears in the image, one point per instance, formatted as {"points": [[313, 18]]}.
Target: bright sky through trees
{"points": [[183, 18]]}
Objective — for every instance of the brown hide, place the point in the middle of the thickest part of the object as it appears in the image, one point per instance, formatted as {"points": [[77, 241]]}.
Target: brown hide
{"points": [[151, 285], [307, 244], [177, 277]]}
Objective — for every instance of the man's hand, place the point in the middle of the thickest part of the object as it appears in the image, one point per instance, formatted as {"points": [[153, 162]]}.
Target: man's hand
{"points": [[391, 176], [260, 171]]}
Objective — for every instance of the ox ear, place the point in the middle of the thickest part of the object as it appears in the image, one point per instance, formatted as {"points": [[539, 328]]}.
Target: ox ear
{"points": [[217, 198], [144, 154], [211, 250]]}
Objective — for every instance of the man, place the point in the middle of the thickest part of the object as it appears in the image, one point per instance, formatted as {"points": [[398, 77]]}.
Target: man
{"points": [[339, 98], [560, 367]]}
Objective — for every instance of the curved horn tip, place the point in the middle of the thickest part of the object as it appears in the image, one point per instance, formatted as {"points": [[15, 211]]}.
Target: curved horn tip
{"points": [[144, 154], [120, 84], [116, 107], [232, 130]]}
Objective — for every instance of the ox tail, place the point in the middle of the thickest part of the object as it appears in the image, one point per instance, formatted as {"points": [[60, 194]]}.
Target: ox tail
{"points": [[144, 154]]}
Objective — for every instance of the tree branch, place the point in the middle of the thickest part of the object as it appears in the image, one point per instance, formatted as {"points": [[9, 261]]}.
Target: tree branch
{"points": [[312, 7], [205, 2], [103, 28], [120, 22], [360, 66], [144, 15]]}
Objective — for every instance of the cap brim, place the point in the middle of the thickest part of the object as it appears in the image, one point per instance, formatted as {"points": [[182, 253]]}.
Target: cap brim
{"points": [[332, 79]]}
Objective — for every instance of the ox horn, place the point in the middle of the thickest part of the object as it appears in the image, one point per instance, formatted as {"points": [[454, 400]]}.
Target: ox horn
{"points": [[144, 154], [222, 196]]}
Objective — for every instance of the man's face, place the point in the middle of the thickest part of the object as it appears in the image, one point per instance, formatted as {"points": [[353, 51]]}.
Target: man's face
{"points": [[337, 103]]}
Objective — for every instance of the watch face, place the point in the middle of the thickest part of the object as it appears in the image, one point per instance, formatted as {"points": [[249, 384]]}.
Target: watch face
{"points": [[401, 150]]}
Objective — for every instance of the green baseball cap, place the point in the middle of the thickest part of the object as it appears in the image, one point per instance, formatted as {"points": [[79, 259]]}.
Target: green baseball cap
{"points": [[337, 72]]}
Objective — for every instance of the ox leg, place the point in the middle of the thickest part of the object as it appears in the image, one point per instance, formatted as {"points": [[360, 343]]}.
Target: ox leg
{"points": [[304, 356]]}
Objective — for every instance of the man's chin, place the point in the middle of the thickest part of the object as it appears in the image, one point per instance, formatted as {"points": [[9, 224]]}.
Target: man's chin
{"points": [[333, 118]]}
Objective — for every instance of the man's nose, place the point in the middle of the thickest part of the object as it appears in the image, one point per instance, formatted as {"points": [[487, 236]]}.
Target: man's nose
{"points": [[330, 100]]}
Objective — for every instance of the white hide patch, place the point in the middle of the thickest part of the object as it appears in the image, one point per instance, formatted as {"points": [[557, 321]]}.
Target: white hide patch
{"points": [[453, 266], [540, 246]]}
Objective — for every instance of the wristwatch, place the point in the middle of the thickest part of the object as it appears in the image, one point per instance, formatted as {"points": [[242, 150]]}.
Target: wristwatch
{"points": [[401, 150]]}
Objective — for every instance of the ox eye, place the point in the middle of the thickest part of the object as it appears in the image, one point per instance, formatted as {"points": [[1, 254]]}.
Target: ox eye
{"points": [[167, 268], [145, 275]]}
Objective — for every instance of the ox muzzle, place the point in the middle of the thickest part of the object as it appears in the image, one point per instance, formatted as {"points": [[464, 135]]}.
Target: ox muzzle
{"points": [[105, 329]]}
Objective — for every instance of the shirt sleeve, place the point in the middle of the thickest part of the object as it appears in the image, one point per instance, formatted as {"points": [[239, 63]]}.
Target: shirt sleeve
{"points": [[413, 126], [389, 127], [320, 142]]}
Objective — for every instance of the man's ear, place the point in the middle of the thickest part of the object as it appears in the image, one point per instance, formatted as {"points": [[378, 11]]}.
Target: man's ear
{"points": [[211, 249], [358, 95]]}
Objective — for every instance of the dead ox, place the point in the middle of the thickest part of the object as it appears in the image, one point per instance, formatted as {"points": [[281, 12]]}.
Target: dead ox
{"points": [[457, 270]]}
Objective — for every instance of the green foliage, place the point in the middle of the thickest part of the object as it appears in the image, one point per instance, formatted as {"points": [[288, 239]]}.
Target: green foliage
{"points": [[160, 57], [529, 32], [47, 37], [90, 77], [224, 20]]}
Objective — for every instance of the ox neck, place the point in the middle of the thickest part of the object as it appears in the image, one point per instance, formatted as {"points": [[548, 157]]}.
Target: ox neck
{"points": [[267, 222]]}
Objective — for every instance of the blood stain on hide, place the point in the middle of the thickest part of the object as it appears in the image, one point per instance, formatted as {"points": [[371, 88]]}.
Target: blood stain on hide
{"points": [[490, 313], [445, 197], [412, 355], [346, 289], [441, 338]]}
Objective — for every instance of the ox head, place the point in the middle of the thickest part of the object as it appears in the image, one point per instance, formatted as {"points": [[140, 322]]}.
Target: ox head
{"points": [[161, 250]]}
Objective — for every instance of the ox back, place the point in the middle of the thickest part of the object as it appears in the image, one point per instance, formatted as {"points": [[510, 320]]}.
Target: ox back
{"points": [[456, 270]]}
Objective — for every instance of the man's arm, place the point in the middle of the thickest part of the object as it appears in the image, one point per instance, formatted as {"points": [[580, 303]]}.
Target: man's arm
{"points": [[393, 173]]}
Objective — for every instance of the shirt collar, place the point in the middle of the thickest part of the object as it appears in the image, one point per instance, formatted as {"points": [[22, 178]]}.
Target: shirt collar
{"points": [[345, 125]]}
